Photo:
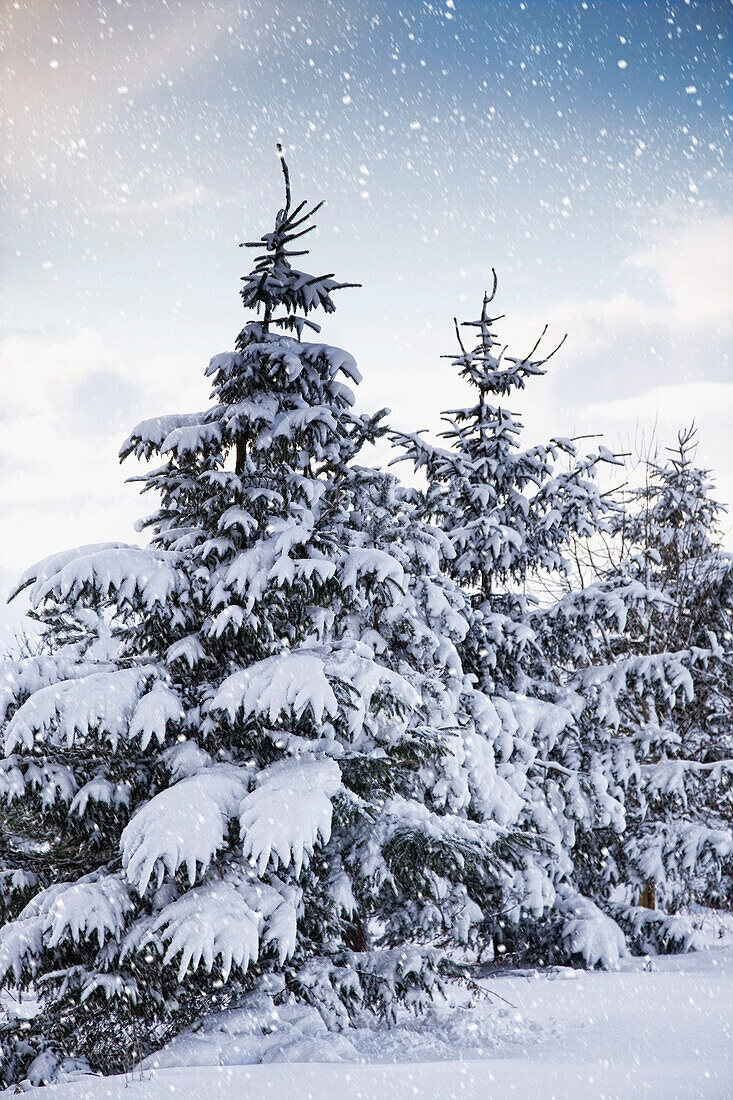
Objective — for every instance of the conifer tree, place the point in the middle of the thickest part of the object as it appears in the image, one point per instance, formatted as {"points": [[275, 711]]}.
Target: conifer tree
{"points": [[273, 776], [659, 657], [511, 514]]}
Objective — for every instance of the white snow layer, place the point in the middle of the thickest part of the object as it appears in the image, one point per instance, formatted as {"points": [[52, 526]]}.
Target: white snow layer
{"points": [[655, 1029], [111, 702], [105, 569], [295, 681], [290, 807], [185, 823]]}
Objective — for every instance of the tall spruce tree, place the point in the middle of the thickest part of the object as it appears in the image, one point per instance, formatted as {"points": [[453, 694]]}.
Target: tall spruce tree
{"points": [[511, 514], [274, 776]]}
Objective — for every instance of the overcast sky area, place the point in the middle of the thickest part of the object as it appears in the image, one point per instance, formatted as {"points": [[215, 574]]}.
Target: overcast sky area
{"points": [[580, 148]]}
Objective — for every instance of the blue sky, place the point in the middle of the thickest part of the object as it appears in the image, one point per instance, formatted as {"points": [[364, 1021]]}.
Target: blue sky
{"points": [[579, 148]]}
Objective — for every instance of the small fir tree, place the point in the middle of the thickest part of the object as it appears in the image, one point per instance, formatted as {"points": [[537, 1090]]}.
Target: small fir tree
{"points": [[665, 667]]}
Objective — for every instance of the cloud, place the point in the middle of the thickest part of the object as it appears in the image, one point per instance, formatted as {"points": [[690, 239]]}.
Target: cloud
{"points": [[593, 324], [34, 370], [709, 401], [100, 59], [67, 405], [693, 263]]}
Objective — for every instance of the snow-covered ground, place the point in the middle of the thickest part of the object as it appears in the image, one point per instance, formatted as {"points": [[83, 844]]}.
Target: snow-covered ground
{"points": [[661, 1029]]}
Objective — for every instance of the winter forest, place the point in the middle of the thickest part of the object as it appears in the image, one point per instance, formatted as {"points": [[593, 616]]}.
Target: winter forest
{"points": [[386, 760]]}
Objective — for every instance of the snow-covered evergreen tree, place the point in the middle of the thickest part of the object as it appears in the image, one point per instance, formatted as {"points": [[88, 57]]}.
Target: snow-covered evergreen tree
{"points": [[658, 659], [272, 774], [511, 514]]}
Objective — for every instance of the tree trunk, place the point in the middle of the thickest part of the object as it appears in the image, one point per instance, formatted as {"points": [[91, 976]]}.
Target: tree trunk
{"points": [[240, 457]]}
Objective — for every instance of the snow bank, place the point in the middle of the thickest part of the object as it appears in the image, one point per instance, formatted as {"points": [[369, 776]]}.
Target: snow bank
{"points": [[637, 1033]]}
